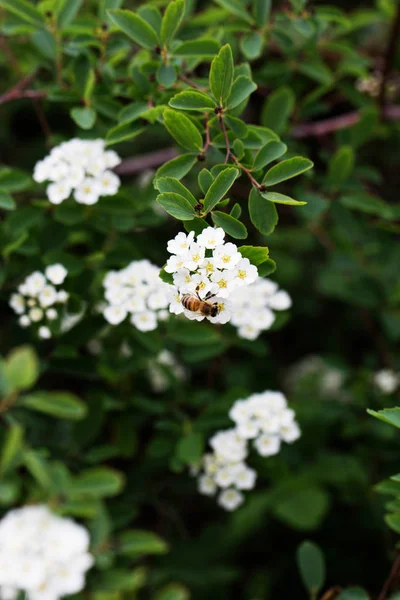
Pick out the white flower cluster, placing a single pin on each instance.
(38, 297)
(252, 307)
(136, 290)
(159, 368)
(209, 269)
(81, 166)
(387, 381)
(41, 554)
(263, 418)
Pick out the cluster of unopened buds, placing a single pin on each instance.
(137, 291)
(253, 306)
(206, 273)
(41, 554)
(39, 299)
(79, 166)
(264, 420)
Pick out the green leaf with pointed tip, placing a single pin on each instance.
(368, 203)
(62, 405)
(387, 415)
(84, 116)
(183, 130)
(176, 205)
(177, 167)
(263, 214)
(166, 75)
(236, 211)
(170, 184)
(229, 224)
(11, 447)
(237, 126)
(136, 28)
(202, 47)
(171, 21)
(221, 75)
(219, 187)
(266, 268)
(89, 86)
(278, 108)
(261, 11)
(99, 481)
(67, 12)
(268, 153)
(190, 448)
(311, 564)
(131, 112)
(235, 7)
(22, 368)
(251, 45)
(192, 100)
(257, 255)
(340, 166)
(205, 179)
(13, 180)
(287, 169)
(123, 132)
(166, 277)
(24, 10)
(137, 542)
(7, 202)
(281, 199)
(241, 89)
(353, 593)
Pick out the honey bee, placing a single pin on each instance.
(194, 303)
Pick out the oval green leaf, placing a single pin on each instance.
(287, 169)
(230, 225)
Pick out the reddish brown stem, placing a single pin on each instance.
(389, 581)
(151, 160)
(389, 58)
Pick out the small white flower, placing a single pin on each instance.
(56, 273)
(280, 301)
(115, 314)
(224, 314)
(59, 191)
(226, 282)
(44, 332)
(175, 263)
(194, 256)
(387, 381)
(267, 445)
(87, 192)
(245, 272)
(24, 321)
(17, 303)
(176, 306)
(230, 499)
(225, 476)
(290, 433)
(226, 256)
(180, 244)
(62, 296)
(207, 485)
(48, 296)
(51, 314)
(108, 183)
(111, 159)
(36, 314)
(211, 237)
(245, 478)
(145, 321)
(35, 283)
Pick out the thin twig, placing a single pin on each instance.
(227, 144)
(389, 58)
(392, 575)
(42, 120)
(129, 166)
(191, 83)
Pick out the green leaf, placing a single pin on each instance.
(304, 508)
(7, 202)
(263, 214)
(138, 542)
(173, 591)
(251, 45)
(268, 153)
(278, 108)
(121, 133)
(205, 179)
(340, 166)
(202, 47)
(221, 75)
(67, 12)
(11, 447)
(367, 203)
(170, 184)
(311, 564)
(235, 7)
(171, 21)
(393, 521)
(317, 71)
(136, 28)
(261, 11)
(267, 267)
(166, 277)
(232, 226)
(62, 405)
(190, 448)
(192, 100)
(45, 42)
(177, 167)
(22, 368)
(219, 187)
(24, 10)
(241, 89)
(182, 129)
(13, 180)
(152, 15)
(113, 581)
(287, 169)
(237, 126)
(256, 254)
(38, 468)
(99, 481)
(189, 333)
(132, 111)
(236, 210)
(387, 415)
(69, 213)
(177, 206)
(166, 75)
(281, 199)
(84, 116)
(353, 593)
(89, 85)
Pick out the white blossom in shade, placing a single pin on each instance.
(230, 499)
(252, 305)
(267, 445)
(206, 268)
(207, 485)
(164, 368)
(37, 297)
(387, 381)
(211, 237)
(44, 332)
(59, 191)
(81, 168)
(17, 303)
(42, 555)
(244, 477)
(56, 273)
(229, 445)
(138, 291)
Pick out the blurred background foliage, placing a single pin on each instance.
(112, 454)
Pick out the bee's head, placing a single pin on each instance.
(214, 310)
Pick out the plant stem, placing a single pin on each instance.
(394, 572)
(389, 58)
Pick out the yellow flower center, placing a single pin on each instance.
(196, 257)
(226, 258)
(209, 267)
(242, 274)
(87, 190)
(222, 283)
(201, 285)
